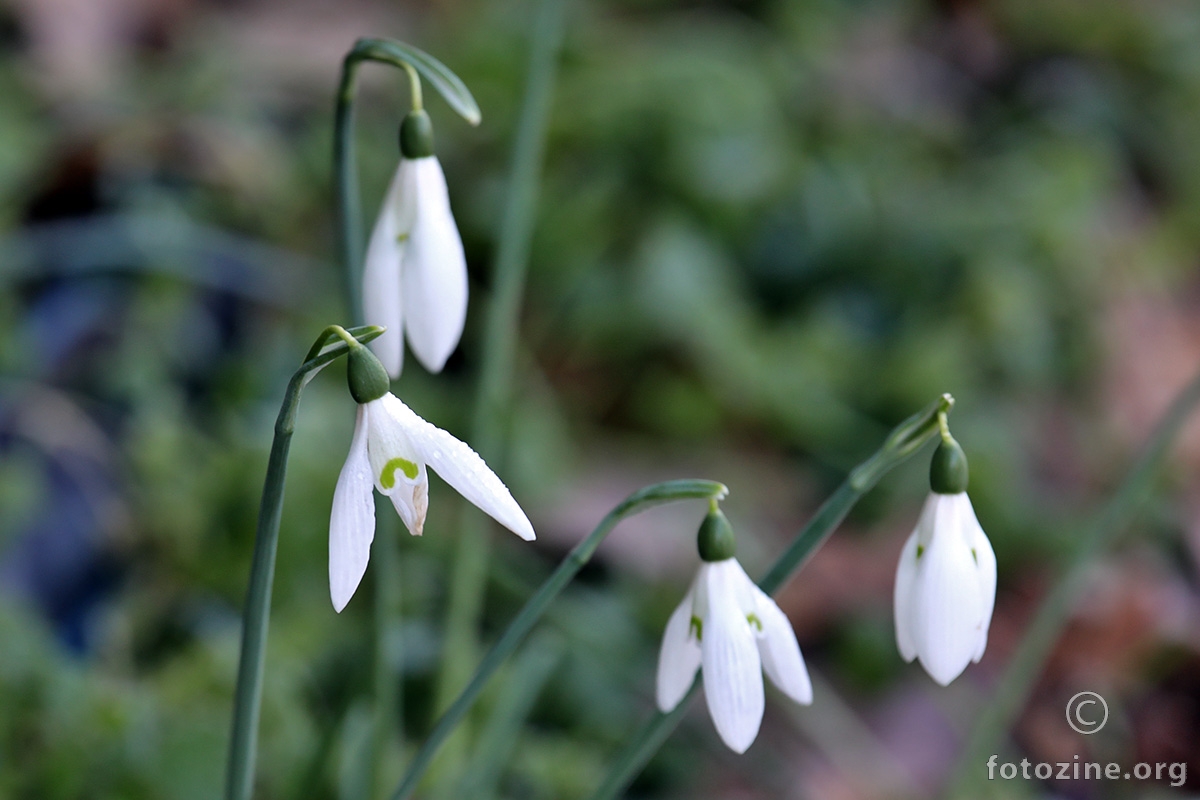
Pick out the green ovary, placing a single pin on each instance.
(387, 478)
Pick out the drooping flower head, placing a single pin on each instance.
(946, 579)
(415, 274)
(391, 450)
(732, 632)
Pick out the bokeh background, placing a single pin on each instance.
(767, 231)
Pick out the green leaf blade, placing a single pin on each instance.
(440, 77)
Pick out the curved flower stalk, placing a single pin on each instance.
(391, 449)
(946, 579)
(243, 740)
(732, 631)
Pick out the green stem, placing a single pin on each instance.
(247, 702)
(388, 669)
(903, 441)
(498, 739)
(538, 604)
(348, 202)
(243, 743)
(1012, 692)
(414, 87)
(944, 429)
(344, 335)
(500, 344)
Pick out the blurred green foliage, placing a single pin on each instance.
(767, 231)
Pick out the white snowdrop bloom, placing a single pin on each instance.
(946, 580)
(415, 274)
(390, 451)
(733, 632)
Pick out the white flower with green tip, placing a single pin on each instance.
(391, 449)
(732, 632)
(415, 272)
(946, 580)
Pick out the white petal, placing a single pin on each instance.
(929, 516)
(906, 574)
(729, 656)
(985, 560)
(434, 275)
(744, 590)
(780, 652)
(461, 467)
(947, 604)
(678, 658)
(352, 522)
(381, 271)
(396, 468)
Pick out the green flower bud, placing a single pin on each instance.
(948, 470)
(715, 539)
(416, 135)
(367, 378)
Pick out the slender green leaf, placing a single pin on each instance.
(448, 85)
(323, 353)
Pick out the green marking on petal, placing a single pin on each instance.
(696, 626)
(755, 621)
(920, 550)
(387, 479)
(975, 556)
(401, 238)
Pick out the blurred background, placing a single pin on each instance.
(768, 230)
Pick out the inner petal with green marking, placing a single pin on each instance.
(387, 478)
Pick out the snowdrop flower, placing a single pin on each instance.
(390, 450)
(946, 580)
(415, 275)
(732, 631)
